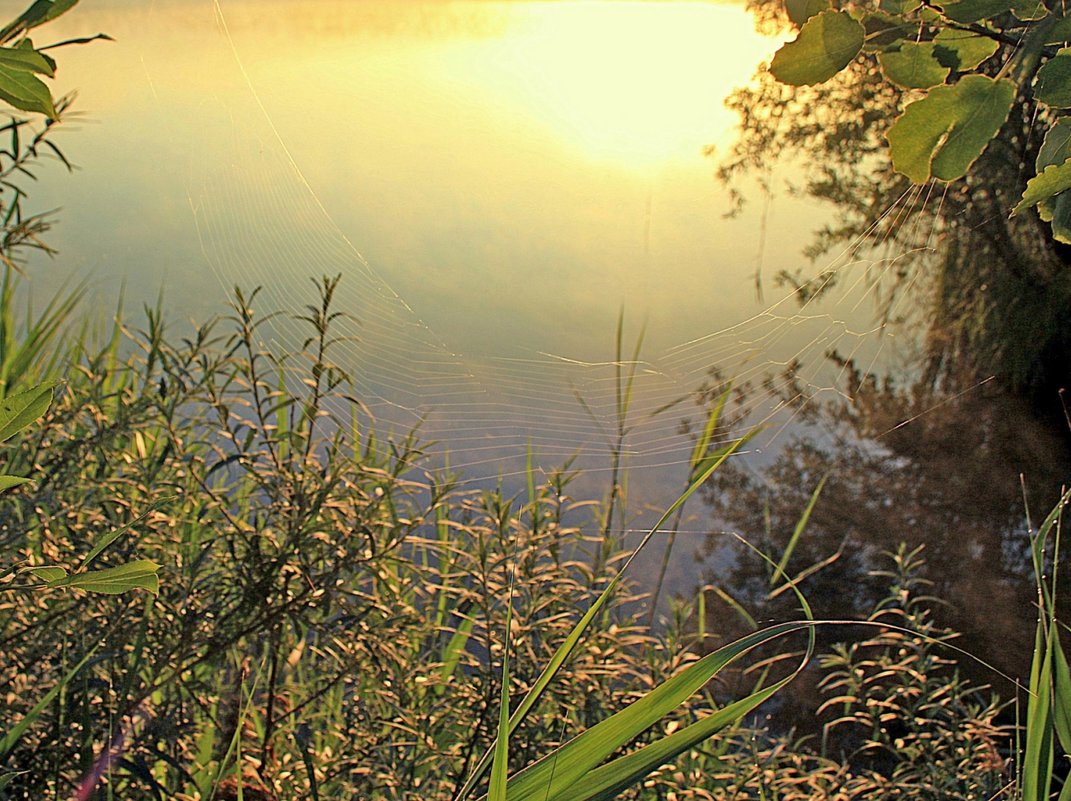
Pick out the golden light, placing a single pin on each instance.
(628, 81)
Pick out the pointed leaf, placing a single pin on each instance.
(28, 60)
(610, 780)
(23, 408)
(25, 92)
(112, 536)
(1049, 182)
(1053, 85)
(7, 482)
(138, 575)
(963, 50)
(825, 45)
(48, 573)
(1056, 149)
(913, 66)
(943, 134)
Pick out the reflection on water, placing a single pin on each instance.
(496, 181)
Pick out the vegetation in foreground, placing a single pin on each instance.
(333, 622)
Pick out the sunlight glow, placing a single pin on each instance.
(629, 81)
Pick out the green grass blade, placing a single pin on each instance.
(1036, 775)
(112, 536)
(562, 768)
(702, 443)
(801, 524)
(11, 737)
(454, 648)
(610, 780)
(571, 641)
(500, 764)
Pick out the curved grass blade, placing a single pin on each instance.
(570, 643)
(555, 773)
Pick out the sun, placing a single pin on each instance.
(629, 81)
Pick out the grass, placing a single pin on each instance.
(332, 624)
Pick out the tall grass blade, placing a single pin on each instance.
(571, 641)
(552, 776)
(801, 524)
(10, 738)
(500, 764)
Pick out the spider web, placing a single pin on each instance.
(481, 297)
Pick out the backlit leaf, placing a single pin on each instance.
(23, 408)
(7, 482)
(899, 6)
(941, 135)
(138, 575)
(27, 59)
(799, 11)
(1056, 149)
(1049, 182)
(1053, 85)
(825, 45)
(913, 66)
(48, 573)
(962, 50)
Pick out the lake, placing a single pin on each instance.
(496, 183)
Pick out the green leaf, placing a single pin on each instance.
(899, 7)
(28, 60)
(610, 780)
(500, 764)
(941, 135)
(23, 408)
(577, 632)
(1056, 149)
(975, 10)
(799, 11)
(48, 573)
(1061, 676)
(40, 12)
(885, 31)
(962, 50)
(7, 777)
(1060, 32)
(7, 482)
(1053, 85)
(138, 575)
(913, 66)
(1057, 212)
(1049, 182)
(1029, 10)
(825, 46)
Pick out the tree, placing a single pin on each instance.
(938, 132)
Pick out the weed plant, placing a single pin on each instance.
(330, 617)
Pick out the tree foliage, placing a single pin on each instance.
(942, 140)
